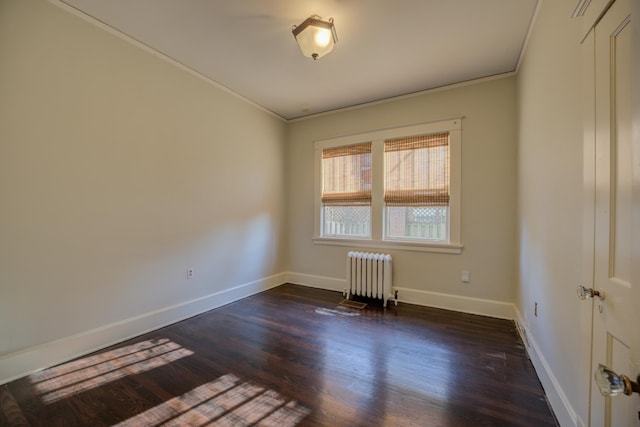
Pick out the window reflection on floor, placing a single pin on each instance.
(84, 374)
(227, 401)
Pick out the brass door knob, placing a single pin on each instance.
(584, 293)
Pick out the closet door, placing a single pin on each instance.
(615, 279)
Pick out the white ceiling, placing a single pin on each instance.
(385, 49)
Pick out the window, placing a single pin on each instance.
(393, 187)
(416, 187)
(346, 190)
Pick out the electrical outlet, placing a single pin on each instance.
(189, 273)
(465, 277)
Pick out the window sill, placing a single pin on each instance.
(442, 248)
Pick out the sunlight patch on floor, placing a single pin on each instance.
(84, 374)
(227, 401)
(331, 312)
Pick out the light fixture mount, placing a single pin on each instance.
(315, 36)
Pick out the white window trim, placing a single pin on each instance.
(377, 138)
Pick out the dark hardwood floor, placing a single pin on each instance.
(293, 356)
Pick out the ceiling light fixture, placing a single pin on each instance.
(315, 36)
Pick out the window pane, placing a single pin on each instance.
(346, 175)
(347, 221)
(417, 171)
(424, 222)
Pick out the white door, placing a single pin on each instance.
(614, 261)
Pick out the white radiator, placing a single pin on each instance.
(369, 275)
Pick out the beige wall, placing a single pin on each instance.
(118, 171)
(488, 191)
(550, 201)
(114, 180)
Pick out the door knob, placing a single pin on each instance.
(612, 384)
(584, 293)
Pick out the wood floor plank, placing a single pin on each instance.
(294, 356)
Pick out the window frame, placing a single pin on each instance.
(378, 237)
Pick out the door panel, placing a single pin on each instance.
(612, 317)
(619, 409)
(621, 151)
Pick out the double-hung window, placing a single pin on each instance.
(392, 187)
(346, 190)
(416, 190)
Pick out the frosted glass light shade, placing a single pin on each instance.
(315, 37)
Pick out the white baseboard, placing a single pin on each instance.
(485, 307)
(321, 282)
(562, 408)
(499, 309)
(20, 363)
